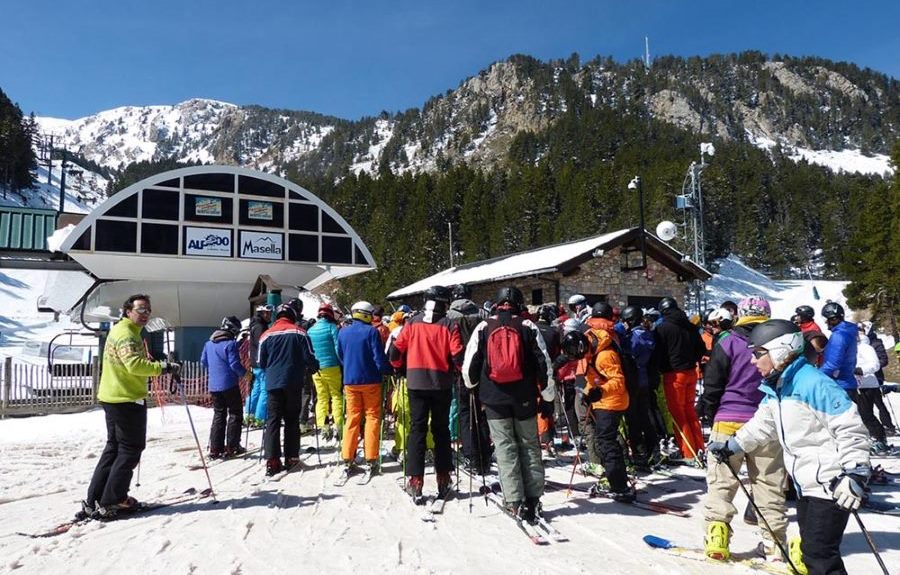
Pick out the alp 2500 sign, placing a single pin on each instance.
(207, 242)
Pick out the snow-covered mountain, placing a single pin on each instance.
(828, 113)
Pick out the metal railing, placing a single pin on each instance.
(33, 389)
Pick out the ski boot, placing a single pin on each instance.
(116, 510)
(626, 495)
(881, 449)
(444, 484)
(215, 454)
(414, 488)
(796, 555)
(718, 537)
(750, 515)
(235, 451)
(273, 467)
(531, 510)
(87, 511)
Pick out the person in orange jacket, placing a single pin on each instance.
(607, 396)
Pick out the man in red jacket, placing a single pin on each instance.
(430, 348)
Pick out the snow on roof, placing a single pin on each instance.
(516, 265)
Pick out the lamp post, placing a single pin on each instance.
(635, 183)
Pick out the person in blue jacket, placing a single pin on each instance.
(839, 356)
(323, 336)
(220, 357)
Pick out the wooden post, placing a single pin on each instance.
(7, 385)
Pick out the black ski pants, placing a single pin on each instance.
(126, 437)
(307, 398)
(283, 405)
(866, 408)
(226, 422)
(606, 439)
(877, 399)
(822, 525)
(433, 403)
(641, 434)
(473, 429)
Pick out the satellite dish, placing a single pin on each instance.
(666, 230)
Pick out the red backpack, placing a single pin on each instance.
(505, 353)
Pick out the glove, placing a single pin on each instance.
(594, 394)
(722, 450)
(548, 394)
(888, 387)
(858, 371)
(848, 490)
(561, 360)
(171, 367)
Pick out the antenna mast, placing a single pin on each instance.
(647, 52)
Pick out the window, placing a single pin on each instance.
(303, 248)
(360, 258)
(215, 209)
(256, 187)
(115, 236)
(173, 183)
(330, 225)
(213, 182)
(337, 250)
(84, 242)
(303, 217)
(159, 239)
(159, 205)
(537, 296)
(127, 208)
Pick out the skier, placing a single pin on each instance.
(578, 308)
(803, 317)
(362, 355)
(731, 396)
(883, 414)
(678, 349)
(378, 323)
(307, 388)
(823, 439)
(430, 350)
(122, 393)
(637, 347)
(284, 354)
(323, 337)
(867, 365)
(257, 399)
(839, 357)
(220, 357)
(546, 424)
(507, 361)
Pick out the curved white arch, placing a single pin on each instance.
(237, 269)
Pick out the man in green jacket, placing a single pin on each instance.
(122, 393)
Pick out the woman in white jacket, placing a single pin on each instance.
(826, 447)
(867, 365)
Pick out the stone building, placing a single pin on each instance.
(607, 267)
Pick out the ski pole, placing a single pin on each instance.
(316, 432)
(180, 386)
(137, 482)
(476, 415)
(381, 426)
(759, 514)
(684, 439)
(870, 542)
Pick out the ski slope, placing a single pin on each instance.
(303, 523)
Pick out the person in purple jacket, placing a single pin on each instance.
(220, 357)
(731, 395)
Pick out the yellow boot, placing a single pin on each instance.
(718, 536)
(796, 556)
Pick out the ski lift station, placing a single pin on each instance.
(209, 241)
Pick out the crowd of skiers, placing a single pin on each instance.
(511, 384)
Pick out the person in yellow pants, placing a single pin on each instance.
(324, 335)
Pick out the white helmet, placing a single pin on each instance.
(363, 311)
(573, 324)
(720, 317)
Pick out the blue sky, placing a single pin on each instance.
(352, 59)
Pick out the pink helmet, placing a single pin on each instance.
(755, 306)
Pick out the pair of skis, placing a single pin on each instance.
(697, 554)
(595, 491)
(190, 494)
(540, 532)
(361, 478)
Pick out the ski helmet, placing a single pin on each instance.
(285, 310)
(754, 306)
(438, 294)
(511, 295)
(379, 311)
(362, 311)
(574, 344)
(602, 309)
(805, 312)
(833, 310)
(297, 305)
(325, 310)
(546, 313)
(231, 323)
(572, 324)
(577, 300)
(781, 338)
(632, 315)
(404, 308)
(461, 291)
(704, 316)
(667, 303)
(721, 318)
(651, 314)
(731, 307)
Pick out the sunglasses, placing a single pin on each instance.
(143, 310)
(759, 353)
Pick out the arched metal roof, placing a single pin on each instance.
(217, 224)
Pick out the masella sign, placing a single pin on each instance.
(261, 245)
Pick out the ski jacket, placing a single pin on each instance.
(466, 315)
(257, 326)
(639, 344)
(817, 425)
(602, 324)
(397, 319)
(603, 368)
(286, 355)
(383, 330)
(323, 337)
(537, 367)
(809, 326)
(361, 353)
(431, 352)
(839, 357)
(867, 362)
(220, 357)
(126, 368)
(731, 383)
(876, 342)
(551, 339)
(678, 343)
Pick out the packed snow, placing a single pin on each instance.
(850, 160)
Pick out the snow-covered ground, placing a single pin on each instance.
(304, 522)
